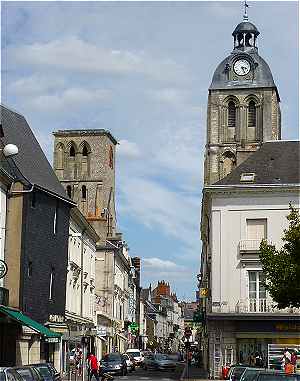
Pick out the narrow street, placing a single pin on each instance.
(141, 374)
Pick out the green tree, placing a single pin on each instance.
(282, 266)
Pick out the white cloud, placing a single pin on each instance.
(36, 84)
(127, 149)
(160, 208)
(160, 264)
(68, 99)
(72, 53)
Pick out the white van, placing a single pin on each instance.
(136, 355)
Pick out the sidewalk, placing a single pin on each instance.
(193, 373)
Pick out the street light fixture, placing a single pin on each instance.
(10, 150)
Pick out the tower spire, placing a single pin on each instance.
(245, 17)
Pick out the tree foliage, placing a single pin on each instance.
(282, 266)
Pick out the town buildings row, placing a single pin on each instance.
(251, 177)
(67, 277)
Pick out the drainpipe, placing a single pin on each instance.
(81, 260)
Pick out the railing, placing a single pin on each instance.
(251, 306)
(249, 245)
(258, 305)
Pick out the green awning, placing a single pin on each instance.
(23, 319)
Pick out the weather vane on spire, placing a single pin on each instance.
(245, 17)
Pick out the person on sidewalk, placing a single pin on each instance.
(289, 367)
(93, 367)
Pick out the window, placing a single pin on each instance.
(247, 177)
(51, 284)
(257, 292)
(29, 269)
(69, 191)
(251, 114)
(257, 229)
(83, 192)
(85, 151)
(231, 115)
(33, 199)
(72, 151)
(55, 218)
(111, 158)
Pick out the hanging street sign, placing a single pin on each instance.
(3, 269)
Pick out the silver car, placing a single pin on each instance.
(159, 361)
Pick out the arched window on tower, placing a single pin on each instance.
(85, 151)
(72, 151)
(231, 121)
(228, 163)
(251, 125)
(59, 156)
(111, 158)
(69, 191)
(83, 192)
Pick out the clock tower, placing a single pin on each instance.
(243, 106)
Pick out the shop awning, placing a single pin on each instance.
(26, 320)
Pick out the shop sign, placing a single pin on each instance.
(3, 269)
(56, 318)
(101, 331)
(52, 340)
(288, 327)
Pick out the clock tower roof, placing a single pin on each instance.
(245, 27)
(262, 74)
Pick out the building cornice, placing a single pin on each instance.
(247, 188)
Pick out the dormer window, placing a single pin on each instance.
(248, 177)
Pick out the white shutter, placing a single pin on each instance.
(257, 229)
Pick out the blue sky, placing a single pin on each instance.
(142, 70)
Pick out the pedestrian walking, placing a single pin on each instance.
(93, 366)
(289, 367)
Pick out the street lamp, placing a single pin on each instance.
(10, 150)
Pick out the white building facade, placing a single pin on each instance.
(236, 215)
(80, 294)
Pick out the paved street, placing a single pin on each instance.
(141, 374)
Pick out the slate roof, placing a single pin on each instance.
(276, 162)
(31, 163)
(244, 27)
(263, 74)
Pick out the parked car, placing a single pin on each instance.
(276, 376)
(137, 356)
(28, 373)
(129, 362)
(159, 361)
(250, 374)
(236, 372)
(9, 374)
(47, 371)
(113, 363)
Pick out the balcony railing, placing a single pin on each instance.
(249, 245)
(250, 306)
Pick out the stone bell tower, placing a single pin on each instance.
(243, 106)
(84, 162)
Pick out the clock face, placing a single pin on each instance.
(241, 67)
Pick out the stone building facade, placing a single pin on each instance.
(243, 108)
(84, 162)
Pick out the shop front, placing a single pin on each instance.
(244, 337)
(24, 341)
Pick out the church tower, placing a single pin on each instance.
(243, 105)
(84, 162)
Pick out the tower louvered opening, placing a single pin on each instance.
(251, 114)
(231, 115)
